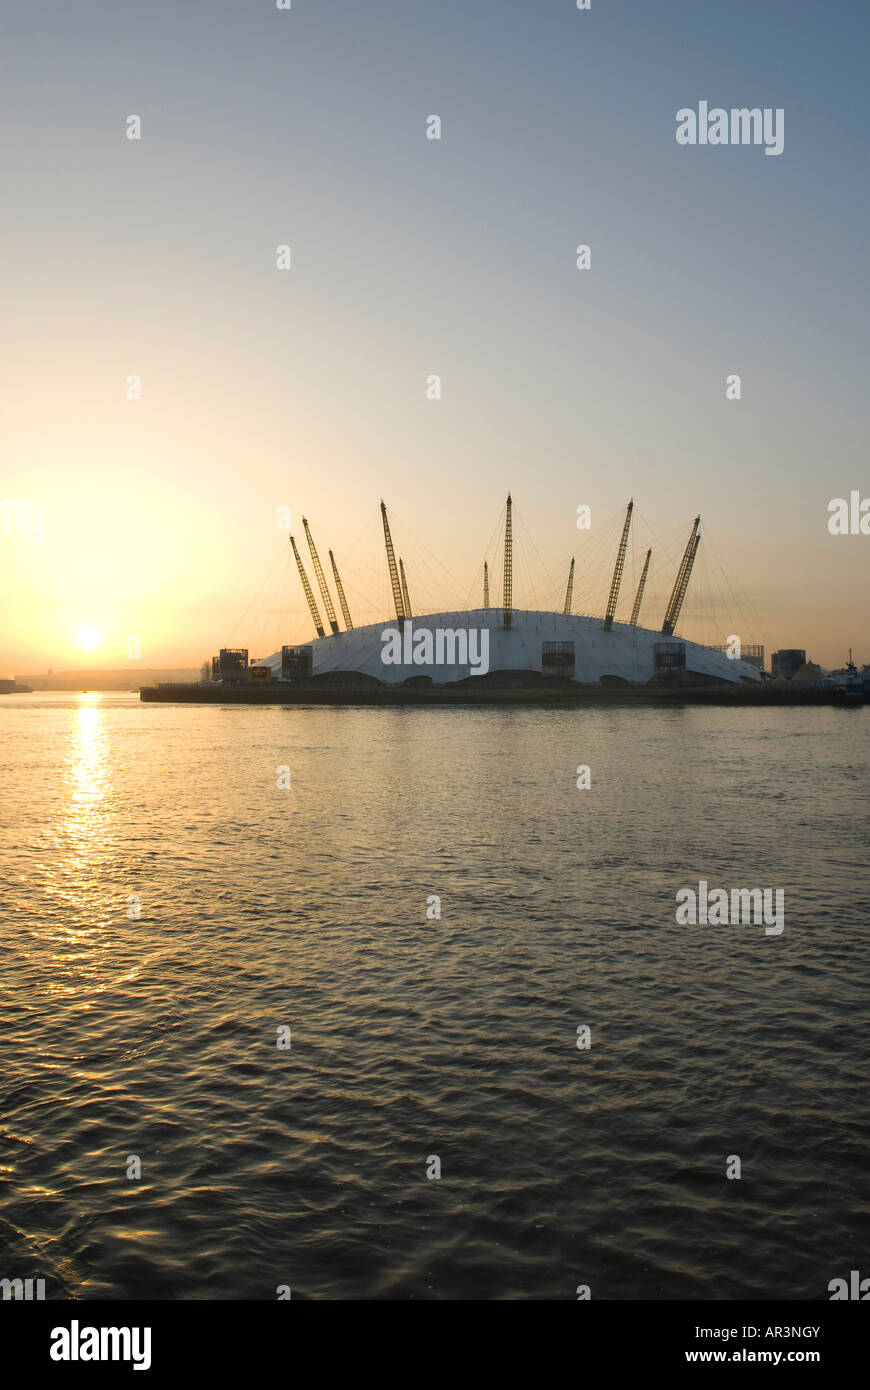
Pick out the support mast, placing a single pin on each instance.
(569, 592)
(508, 564)
(406, 602)
(617, 571)
(681, 583)
(635, 612)
(321, 582)
(339, 589)
(312, 606)
(485, 584)
(391, 562)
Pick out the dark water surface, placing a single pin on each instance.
(414, 1037)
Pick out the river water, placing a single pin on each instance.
(416, 1040)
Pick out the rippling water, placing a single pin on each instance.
(411, 1036)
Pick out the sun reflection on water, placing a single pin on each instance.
(89, 783)
(80, 880)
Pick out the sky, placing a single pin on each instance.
(265, 388)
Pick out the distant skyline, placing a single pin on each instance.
(154, 260)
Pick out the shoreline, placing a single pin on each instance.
(561, 694)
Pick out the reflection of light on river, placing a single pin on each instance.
(88, 786)
(79, 886)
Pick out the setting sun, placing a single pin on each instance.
(89, 638)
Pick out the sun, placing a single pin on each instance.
(90, 638)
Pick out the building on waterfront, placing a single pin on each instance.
(787, 662)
